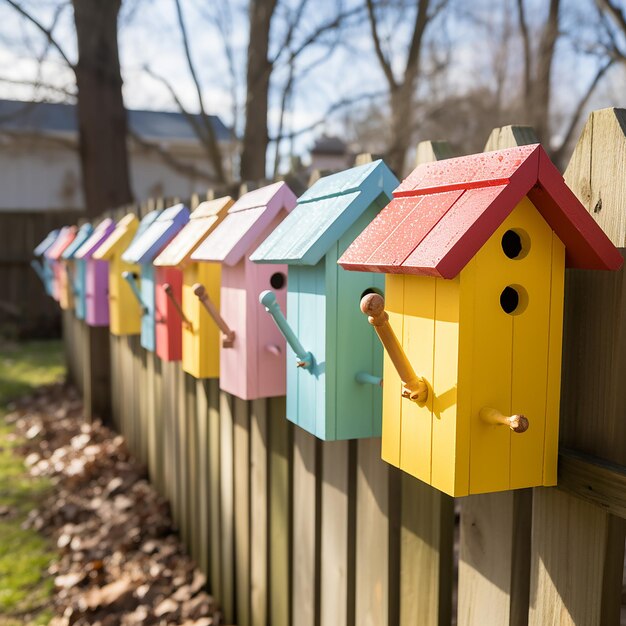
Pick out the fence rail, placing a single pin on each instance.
(293, 530)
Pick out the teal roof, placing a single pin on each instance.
(84, 232)
(324, 213)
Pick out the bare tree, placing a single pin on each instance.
(402, 89)
(538, 68)
(259, 69)
(102, 124)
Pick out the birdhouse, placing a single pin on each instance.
(251, 350)
(142, 251)
(124, 308)
(53, 258)
(190, 331)
(334, 364)
(40, 263)
(475, 250)
(96, 274)
(72, 282)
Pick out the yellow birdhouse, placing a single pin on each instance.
(200, 336)
(475, 250)
(124, 310)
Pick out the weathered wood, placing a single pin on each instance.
(97, 373)
(493, 584)
(578, 549)
(226, 419)
(151, 432)
(259, 513)
(202, 479)
(593, 422)
(215, 517)
(241, 445)
(337, 532)
(159, 411)
(433, 151)
(509, 136)
(281, 507)
(594, 480)
(373, 528)
(306, 528)
(426, 536)
(576, 562)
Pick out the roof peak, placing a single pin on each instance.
(445, 211)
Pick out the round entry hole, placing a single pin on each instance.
(278, 280)
(513, 299)
(515, 244)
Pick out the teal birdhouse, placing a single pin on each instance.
(333, 365)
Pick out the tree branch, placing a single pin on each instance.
(413, 58)
(45, 31)
(582, 103)
(336, 106)
(523, 27)
(618, 15)
(380, 55)
(213, 148)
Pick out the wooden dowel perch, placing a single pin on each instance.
(170, 294)
(517, 423)
(415, 387)
(229, 335)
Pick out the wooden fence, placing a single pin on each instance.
(293, 530)
(25, 309)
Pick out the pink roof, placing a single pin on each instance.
(247, 219)
(65, 238)
(445, 211)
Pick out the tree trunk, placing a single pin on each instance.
(543, 74)
(401, 102)
(255, 136)
(102, 122)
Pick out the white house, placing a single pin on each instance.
(40, 169)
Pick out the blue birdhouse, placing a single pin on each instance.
(76, 272)
(40, 264)
(333, 365)
(144, 248)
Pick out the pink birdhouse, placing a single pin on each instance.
(252, 351)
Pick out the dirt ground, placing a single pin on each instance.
(118, 560)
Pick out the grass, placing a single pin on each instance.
(25, 588)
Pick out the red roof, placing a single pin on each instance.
(444, 212)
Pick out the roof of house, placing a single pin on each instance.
(324, 213)
(329, 144)
(164, 225)
(56, 117)
(96, 239)
(202, 221)
(246, 221)
(444, 212)
(63, 240)
(84, 232)
(46, 242)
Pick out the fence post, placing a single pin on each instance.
(97, 373)
(578, 549)
(494, 559)
(426, 519)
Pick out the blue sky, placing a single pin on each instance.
(149, 36)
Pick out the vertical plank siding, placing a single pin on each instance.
(294, 531)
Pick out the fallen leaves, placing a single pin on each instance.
(119, 560)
